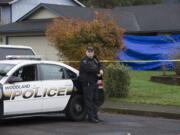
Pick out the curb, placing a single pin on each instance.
(140, 112)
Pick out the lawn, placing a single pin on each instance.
(143, 91)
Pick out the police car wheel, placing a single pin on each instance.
(76, 109)
(1, 121)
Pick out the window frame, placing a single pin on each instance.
(40, 72)
(36, 73)
(66, 74)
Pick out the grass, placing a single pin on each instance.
(143, 91)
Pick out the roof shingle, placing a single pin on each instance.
(5, 2)
(29, 26)
(137, 19)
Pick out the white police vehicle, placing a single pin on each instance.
(29, 87)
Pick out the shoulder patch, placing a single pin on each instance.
(85, 61)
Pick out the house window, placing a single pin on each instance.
(0, 15)
(1, 40)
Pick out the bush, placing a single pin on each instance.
(72, 36)
(117, 80)
(177, 64)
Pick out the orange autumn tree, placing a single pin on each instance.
(72, 36)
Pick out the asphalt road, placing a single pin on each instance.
(113, 124)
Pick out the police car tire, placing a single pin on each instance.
(76, 109)
(1, 121)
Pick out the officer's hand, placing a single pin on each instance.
(101, 72)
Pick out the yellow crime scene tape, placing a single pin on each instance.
(127, 61)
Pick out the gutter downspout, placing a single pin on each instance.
(10, 13)
(6, 40)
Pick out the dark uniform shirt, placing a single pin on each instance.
(89, 68)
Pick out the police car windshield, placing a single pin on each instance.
(4, 69)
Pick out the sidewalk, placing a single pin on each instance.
(171, 112)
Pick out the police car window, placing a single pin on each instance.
(4, 69)
(51, 72)
(26, 73)
(70, 74)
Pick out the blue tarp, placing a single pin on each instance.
(150, 48)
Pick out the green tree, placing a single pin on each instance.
(114, 3)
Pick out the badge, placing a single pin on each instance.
(85, 61)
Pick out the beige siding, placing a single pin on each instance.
(39, 44)
(43, 14)
(22, 7)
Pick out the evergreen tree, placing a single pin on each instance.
(114, 3)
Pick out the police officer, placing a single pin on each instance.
(90, 69)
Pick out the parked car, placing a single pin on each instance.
(14, 50)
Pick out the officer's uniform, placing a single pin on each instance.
(89, 69)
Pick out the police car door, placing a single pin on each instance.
(25, 94)
(56, 87)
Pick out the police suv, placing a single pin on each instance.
(30, 86)
(15, 50)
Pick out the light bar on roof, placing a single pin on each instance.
(22, 57)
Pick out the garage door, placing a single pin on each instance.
(39, 45)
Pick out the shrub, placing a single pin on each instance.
(72, 36)
(117, 80)
(177, 64)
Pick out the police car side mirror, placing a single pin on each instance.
(14, 79)
(75, 77)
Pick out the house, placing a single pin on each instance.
(12, 10)
(155, 19)
(137, 20)
(30, 29)
(171, 1)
